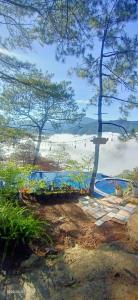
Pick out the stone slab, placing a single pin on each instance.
(106, 218)
(99, 222)
(85, 207)
(95, 208)
(102, 220)
(114, 199)
(111, 215)
(123, 212)
(119, 221)
(85, 203)
(84, 200)
(120, 218)
(96, 215)
(131, 211)
(130, 208)
(115, 210)
(107, 209)
(131, 205)
(87, 198)
(106, 203)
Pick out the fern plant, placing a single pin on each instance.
(17, 224)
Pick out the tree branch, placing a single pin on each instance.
(114, 124)
(119, 99)
(108, 54)
(120, 79)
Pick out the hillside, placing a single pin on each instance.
(89, 126)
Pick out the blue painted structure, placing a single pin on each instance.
(104, 186)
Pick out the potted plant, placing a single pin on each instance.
(118, 190)
(135, 182)
(135, 188)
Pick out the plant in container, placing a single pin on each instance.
(135, 188)
(118, 190)
(135, 182)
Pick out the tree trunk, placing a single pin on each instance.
(99, 131)
(97, 151)
(37, 149)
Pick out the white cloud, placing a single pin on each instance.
(115, 156)
(82, 101)
(12, 53)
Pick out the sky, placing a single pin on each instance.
(44, 58)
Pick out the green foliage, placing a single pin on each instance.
(35, 186)
(127, 174)
(24, 152)
(15, 178)
(11, 135)
(78, 175)
(37, 101)
(18, 223)
(132, 176)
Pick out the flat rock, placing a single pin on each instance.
(111, 215)
(104, 219)
(120, 218)
(85, 208)
(97, 215)
(85, 202)
(123, 212)
(99, 222)
(105, 202)
(130, 207)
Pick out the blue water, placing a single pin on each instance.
(108, 186)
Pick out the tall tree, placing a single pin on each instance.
(79, 27)
(98, 30)
(38, 103)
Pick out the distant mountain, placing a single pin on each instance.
(89, 126)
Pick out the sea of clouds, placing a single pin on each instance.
(115, 156)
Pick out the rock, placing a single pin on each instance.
(30, 261)
(51, 251)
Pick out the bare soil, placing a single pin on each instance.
(93, 263)
(71, 225)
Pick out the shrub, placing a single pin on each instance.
(131, 175)
(17, 224)
(35, 186)
(14, 177)
(78, 176)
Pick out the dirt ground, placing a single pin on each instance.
(71, 225)
(93, 263)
